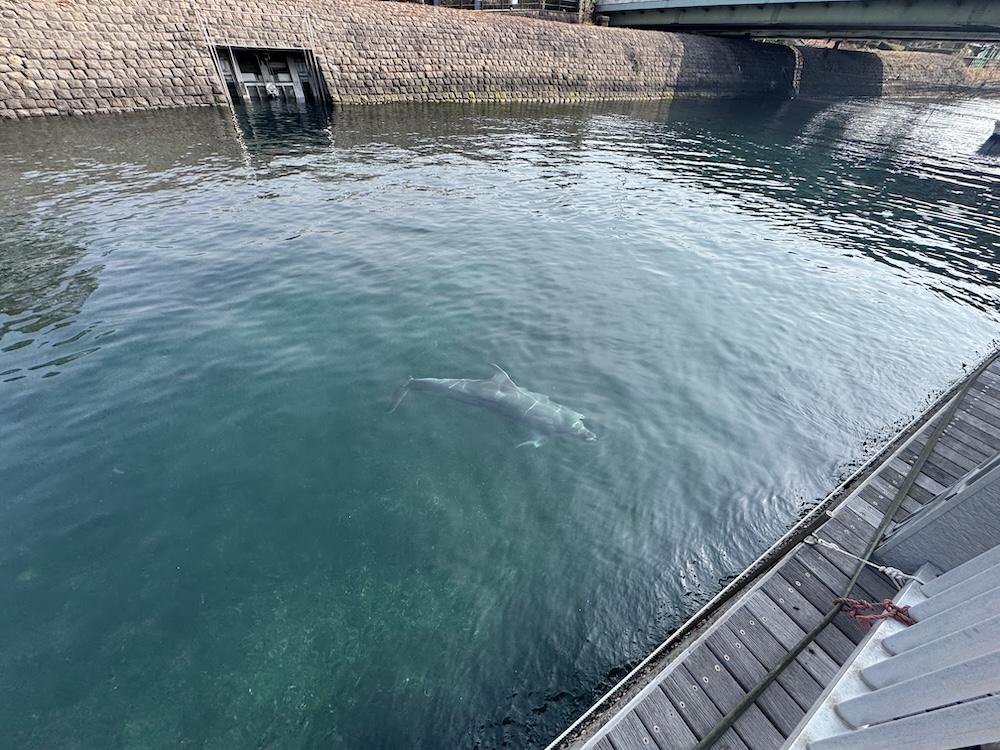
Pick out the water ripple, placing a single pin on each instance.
(212, 530)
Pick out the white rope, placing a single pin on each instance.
(895, 574)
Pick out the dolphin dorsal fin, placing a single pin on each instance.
(501, 378)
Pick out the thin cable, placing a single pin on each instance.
(897, 576)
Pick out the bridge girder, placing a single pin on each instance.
(942, 20)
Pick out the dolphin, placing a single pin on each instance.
(500, 394)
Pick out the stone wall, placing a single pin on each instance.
(837, 73)
(94, 56)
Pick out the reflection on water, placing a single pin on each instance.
(274, 129)
(212, 533)
(42, 289)
(46, 273)
(878, 177)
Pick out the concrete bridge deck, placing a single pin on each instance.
(677, 698)
(976, 21)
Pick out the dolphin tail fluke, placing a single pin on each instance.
(400, 395)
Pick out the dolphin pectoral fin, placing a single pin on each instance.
(400, 395)
(535, 442)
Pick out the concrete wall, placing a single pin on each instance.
(84, 56)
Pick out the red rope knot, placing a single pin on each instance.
(890, 611)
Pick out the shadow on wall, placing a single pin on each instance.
(712, 66)
(837, 73)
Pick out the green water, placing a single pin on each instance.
(213, 534)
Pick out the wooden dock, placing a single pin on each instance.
(713, 668)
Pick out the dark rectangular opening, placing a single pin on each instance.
(255, 74)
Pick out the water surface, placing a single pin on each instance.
(213, 535)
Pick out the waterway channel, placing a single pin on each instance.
(214, 535)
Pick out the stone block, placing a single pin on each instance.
(391, 52)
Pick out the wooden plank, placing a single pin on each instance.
(694, 706)
(855, 523)
(878, 500)
(924, 433)
(961, 453)
(889, 490)
(838, 529)
(992, 372)
(725, 692)
(630, 734)
(894, 478)
(964, 443)
(948, 459)
(985, 405)
(902, 464)
(877, 584)
(870, 515)
(941, 470)
(775, 702)
(984, 392)
(822, 597)
(663, 723)
(788, 633)
(978, 398)
(603, 744)
(967, 441)
(984, 415)
(925, 487)
(938, 467)
(870, 584)
(989, 375)
(873, 585)
(986, 389)
(986, 431)
(810, 557)
(818, 590)
(973, 427)
(883, 486)
(984, 398)
(793, 604)
(843, 563)
(746, 633)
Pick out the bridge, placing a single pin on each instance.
(940, 20)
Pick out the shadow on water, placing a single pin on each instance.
(41, 287)
(275, 130)
(39, 151)
(990, 147)
(46, 271)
